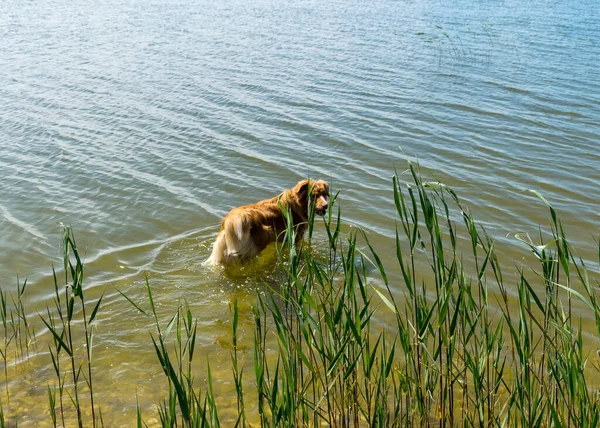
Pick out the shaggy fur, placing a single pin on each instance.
(247, 230)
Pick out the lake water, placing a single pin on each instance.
(141, 123)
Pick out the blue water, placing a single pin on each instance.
(142, 122)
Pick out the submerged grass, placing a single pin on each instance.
(466, 347)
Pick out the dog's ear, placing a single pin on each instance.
(301, 189)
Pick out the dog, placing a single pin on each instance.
(247, 230)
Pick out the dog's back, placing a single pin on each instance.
(247, 230)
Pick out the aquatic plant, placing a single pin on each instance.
(60, 323)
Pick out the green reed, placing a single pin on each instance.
(237, 371)
(18, 332)
(16, 327)
(463, 351)
(467, 346)
(61, 324)
(5, 314)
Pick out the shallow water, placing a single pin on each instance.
(141, 123)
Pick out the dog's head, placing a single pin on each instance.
(315, 191)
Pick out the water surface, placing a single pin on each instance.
(141, 123)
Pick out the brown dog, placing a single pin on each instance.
(247, 230)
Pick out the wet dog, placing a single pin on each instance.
(247, 230)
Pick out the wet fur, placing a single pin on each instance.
(247, 230)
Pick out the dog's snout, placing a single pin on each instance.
(325, 206)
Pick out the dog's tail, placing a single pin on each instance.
(219, 251)
(237, 236)
(233, 243)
